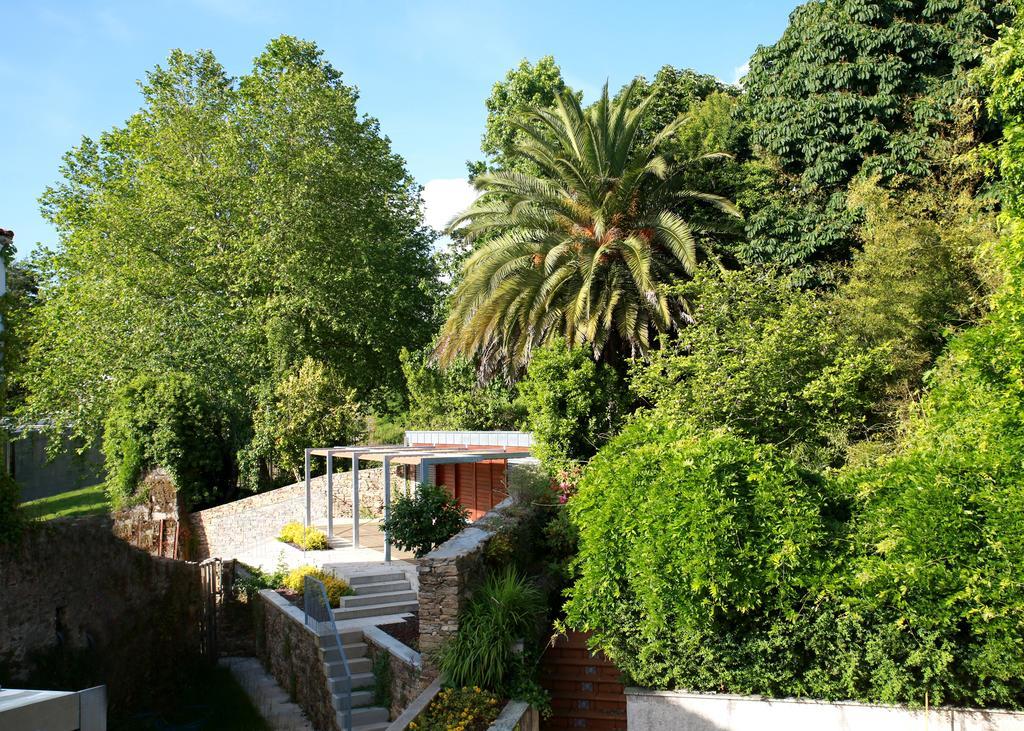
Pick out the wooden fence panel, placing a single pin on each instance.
(586, 690)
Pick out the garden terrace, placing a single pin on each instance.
(452, 465)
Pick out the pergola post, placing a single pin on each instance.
(425, 465)
(330, 494)
(308, 498)
(355, 500)
(387, 506)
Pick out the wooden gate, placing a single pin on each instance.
(586, 689)
(212, 587)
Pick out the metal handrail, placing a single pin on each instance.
(320, 617)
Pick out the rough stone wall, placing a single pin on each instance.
(450, 573)
(407, 679)
(224, 530)
(79, 607)
(291, 653)
(155, 525)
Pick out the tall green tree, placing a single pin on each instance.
(674, 92)
(229, 229)
(579, 250)
(854, 86)
(525, 87)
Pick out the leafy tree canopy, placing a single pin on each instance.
(573, 404)
(854, 85)
(231, 228)
(526, 87)
(453, 398)
(674, 92)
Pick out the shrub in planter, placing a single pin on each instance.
(465, 709)
(336, 588)
(308, 539)
(426, 519)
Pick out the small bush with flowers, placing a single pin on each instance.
(459, 709)
(295, 582)
(306, 539)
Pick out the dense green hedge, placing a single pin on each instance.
(696, 552)
(712, 563)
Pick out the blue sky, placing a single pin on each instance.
(423, 67)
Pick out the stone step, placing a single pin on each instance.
(360, 681)
(383, 587)
(348, 637)
(376, 610)
(330, 654)
(378, 578)
(383, 726)
(360, 699)
(356, 666)
(365, 716)
(366, 600)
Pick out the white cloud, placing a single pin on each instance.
(739, 72)
(444, 198)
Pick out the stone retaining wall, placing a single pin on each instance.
(224, 531)
(406, 667)
(450, 573)
(78, 607)
(291, 652)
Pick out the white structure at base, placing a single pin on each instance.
(655, 710)
(53, 710)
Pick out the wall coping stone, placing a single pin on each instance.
(510, 716)
(289, 610)
(397, 649)
(469, 538)
(961, 717)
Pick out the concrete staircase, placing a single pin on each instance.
(377, 595)
(365, 715)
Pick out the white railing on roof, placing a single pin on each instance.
(475, 438)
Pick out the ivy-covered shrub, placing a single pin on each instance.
(423, 520)
(699, 557)
(174, 422)
(573, 404)
(300, 536)
(939, 531)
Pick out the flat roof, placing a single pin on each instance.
(400, 454)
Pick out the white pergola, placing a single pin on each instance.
(422, 457)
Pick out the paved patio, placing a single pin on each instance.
(341, 558)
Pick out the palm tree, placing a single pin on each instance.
(582, 249)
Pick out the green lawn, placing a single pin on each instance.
(87, 501)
